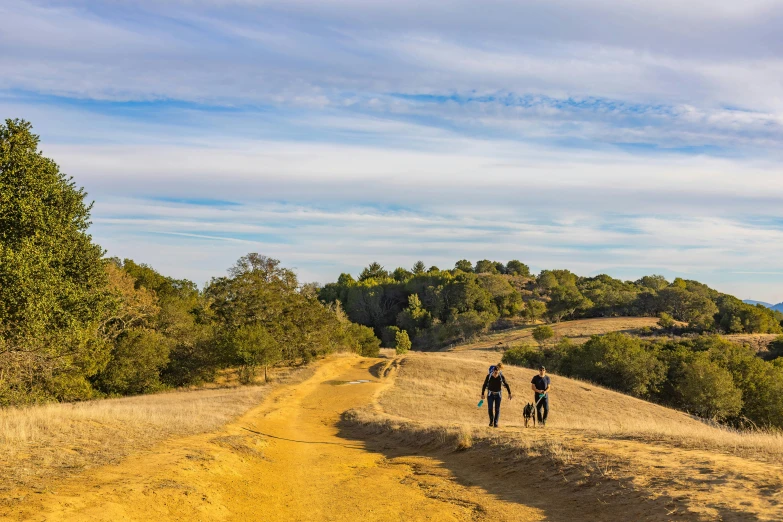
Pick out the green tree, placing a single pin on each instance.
(534, 309)
(485, 266)
(401, 275)
(389, 336)
(137, 358)
(418, 268)
(707, 390)
(403, 342)
(517, 268)
(373, 271)
(253, 346)
(52, 279)
(565, 301)
(665, 320)
(543, 333)
(653, 282)
(366, 343)
(618, 361)
(414, 317)
(776, 347)
(464, 265)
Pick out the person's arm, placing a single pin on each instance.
(533, 385)
(506, 385)
(483, 388)
(548, 385)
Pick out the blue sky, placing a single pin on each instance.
(602, 137)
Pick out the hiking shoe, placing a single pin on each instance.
(490, 424)
(494, 425)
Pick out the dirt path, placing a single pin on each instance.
(283, 460)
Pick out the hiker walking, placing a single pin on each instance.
(540, 385)
(492, 384)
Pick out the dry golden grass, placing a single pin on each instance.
(54, 440)
(759, 342)
(578, 331)
(594, 437)
(451, 387)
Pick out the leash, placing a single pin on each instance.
(539, 399)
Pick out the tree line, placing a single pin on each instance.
(75, 325)
(437, 307)
(707, 376)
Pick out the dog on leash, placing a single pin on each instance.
(529, 413)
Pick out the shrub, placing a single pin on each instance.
(403, 342)
(776, 347)
(137, 358)
(542, 333)
(618, 361)
(665, 320)
(389, 336)
(523, 355)
(366, 344)
(707, 390)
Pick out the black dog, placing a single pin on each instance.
(529, 413)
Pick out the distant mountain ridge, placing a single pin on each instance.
(778, 307)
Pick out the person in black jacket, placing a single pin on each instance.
(493, 383)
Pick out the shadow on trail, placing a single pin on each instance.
(508, 473)
(352, 446)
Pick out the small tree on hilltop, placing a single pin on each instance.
(464, 265)
(518, 268)
(403, 342)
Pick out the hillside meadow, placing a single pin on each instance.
(595, 438)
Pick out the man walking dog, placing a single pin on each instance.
(494, 381)
(540, 385)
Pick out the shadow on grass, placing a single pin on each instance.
(531, 478)
(352, 446)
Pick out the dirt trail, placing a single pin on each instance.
(283, 460)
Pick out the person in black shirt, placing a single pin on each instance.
(540, 385)
(493, 382)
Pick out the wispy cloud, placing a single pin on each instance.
(600, 136)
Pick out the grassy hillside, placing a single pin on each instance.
(578, 331)
(40, 443)
(594, 437)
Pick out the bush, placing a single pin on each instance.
(366, 344)
(542, 333)
(137, 358)
(469, 324)
(707, 390)
(389, 336)
(776, 347)
(524, 355)
(533, 357)
(617, 361)
(665, 320)
(403, 342)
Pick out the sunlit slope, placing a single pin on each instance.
(631, 453)
(578, 331)
(452, 387)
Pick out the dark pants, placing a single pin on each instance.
(493, 400)
(543, 404)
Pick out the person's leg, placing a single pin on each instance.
(490, 405)
(497, 409)
(538, 404)
(545, 404)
